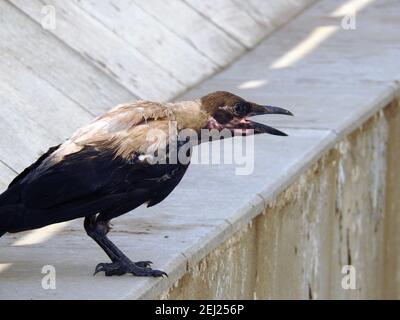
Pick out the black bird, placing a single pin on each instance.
(107, 168)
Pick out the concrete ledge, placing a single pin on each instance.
(209, 234)
(334, 214)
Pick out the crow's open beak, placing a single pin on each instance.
(259, 127)
(244, 126)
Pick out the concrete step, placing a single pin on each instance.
(333, 79)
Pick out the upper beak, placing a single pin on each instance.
(258, 110)
(262, 128)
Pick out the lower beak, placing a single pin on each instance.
(262, 128)
(248, 127)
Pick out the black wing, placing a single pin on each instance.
(172, 178)
(85, 183)
(90, 175)
(33, 166)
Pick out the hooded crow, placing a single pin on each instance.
(118, 162)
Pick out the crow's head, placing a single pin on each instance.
(228, 111)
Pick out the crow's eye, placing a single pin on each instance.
(222, 117)
(241, 108)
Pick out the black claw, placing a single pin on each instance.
(99, 268)
(163, 274)
(110, 269)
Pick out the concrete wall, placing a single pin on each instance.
(98, 54)
(156, 49)
(343, 210)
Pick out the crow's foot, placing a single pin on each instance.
(140, 268)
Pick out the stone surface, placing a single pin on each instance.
(24, 41)
(333, 215)
(146, 51)
(209, 234)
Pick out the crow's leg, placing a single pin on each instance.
(121, 264)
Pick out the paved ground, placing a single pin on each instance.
(331, 78)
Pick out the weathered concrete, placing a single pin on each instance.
(142, 52)
(323, 190)
(391, 241)
(333, 215)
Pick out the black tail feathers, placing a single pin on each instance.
(10, 196)
(11, 218)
